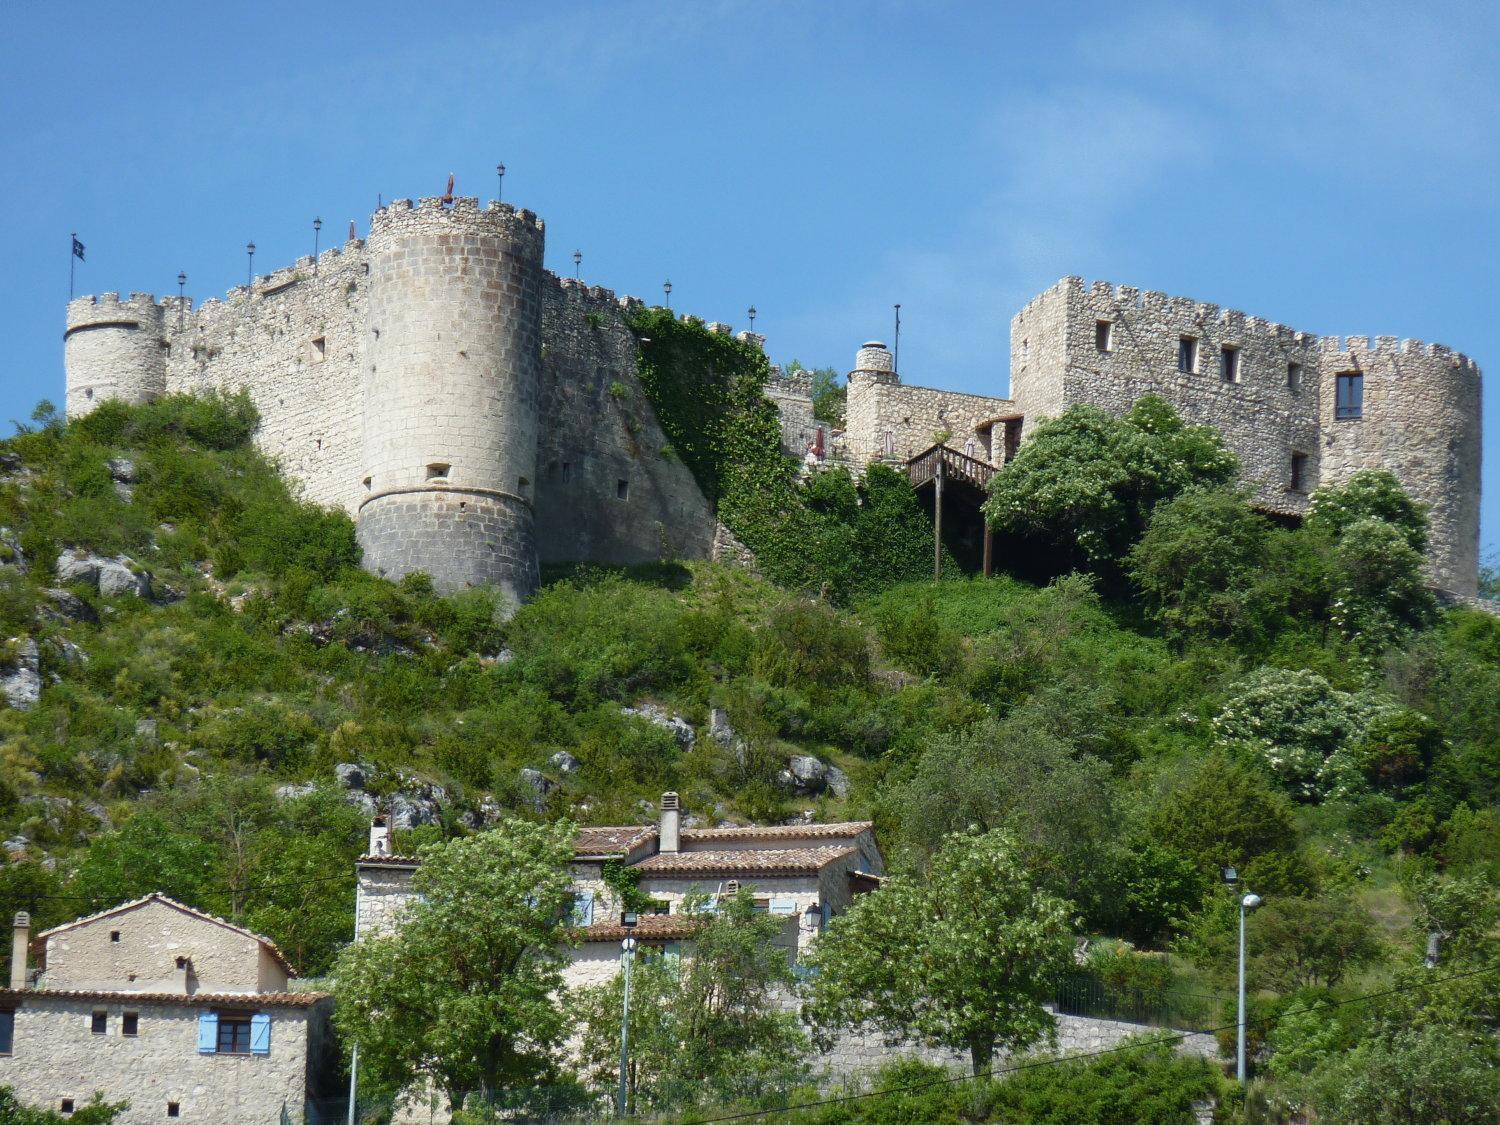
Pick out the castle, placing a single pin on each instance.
(479, 416)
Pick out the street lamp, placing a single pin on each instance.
(250, 269)
(499, 181)
(577, 263)
(751, 311)
(181, 289)
(667, 289)
(317, 230)
(628, 920)
(1248, 902)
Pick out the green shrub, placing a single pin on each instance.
(808, 645)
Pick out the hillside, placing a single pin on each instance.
(208, 698)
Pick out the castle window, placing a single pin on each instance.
(114, 936)
(67, 1105)
(1299, 472)
(567, 471)
(173, 1110)
(1187, 355)
(1294, 378)
(100, 1023)
(1103, 333)
(1349, 400)
(130, 1023)
(523, 486)
(367, 482)
(888, 445)
(319, 349)
(88, 392)
(1229, 365)
(438, 471)
(7, 1030)
(622, 489)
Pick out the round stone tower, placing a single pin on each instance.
(452, 392)
(113, 349)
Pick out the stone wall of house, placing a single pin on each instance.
(380, 895)
(1108, 345)
(142, 945)
(56, 1056)
(792, 396)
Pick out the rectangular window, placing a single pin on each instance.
(67, 1105)
(1229, 365)
(319, 350)
(657, 906)
(1294, 378)
(1103, 335)
(130, 1023)
(1299, 472)
(622, 489)
(437, 471)
(7, 1030)
(234, 1034)
(173, 1110)
(100, 1023)
(761, 906)
(1187, 355)
(1349, 400)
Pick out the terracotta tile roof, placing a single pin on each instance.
(389, 861)
(157, 896)
(651, 927)
(611, 841)
(226, 999)
(743, 862)
(846, 830)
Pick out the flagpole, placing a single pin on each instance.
(71, 255)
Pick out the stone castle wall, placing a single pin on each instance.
(1421, 403)
(113, 349)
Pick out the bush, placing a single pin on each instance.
(1369, 494)
(808, 645)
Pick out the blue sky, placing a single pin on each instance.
(1330, 166)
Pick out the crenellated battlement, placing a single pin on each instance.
(502, 220)
(109, 308)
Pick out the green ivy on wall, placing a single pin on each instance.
(833, 536)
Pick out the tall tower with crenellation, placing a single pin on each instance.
(113, 349)
(452, 389)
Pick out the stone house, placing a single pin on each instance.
(184, 1015)
(806, 873)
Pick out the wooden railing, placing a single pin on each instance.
(956, 466)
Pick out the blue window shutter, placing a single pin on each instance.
(208, 1033)
(583, 908)
(827, 912)
(260, 1034)
(783, 906)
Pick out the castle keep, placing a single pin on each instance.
(479, 416)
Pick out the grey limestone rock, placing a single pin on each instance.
(21, 682)
(122, 470)
(10, 463)
(351, 775)
(292, 792)
(804, 774)
(675, 724)
(539, 784)
(99, 813)
(68, 606)
(17, 845)
(718, 726)
(116, 580)
(408, 811)
(76, 565)
(10, 550)
(565, 763)
(837, 781)
(146, 731)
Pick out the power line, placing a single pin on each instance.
(1172, 1036)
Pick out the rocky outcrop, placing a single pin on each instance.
(538, 785)
(565, 763)
(678, 727)
(113, 577)
(11, 554)
(807, 776)
(61, 605)
(21, 676)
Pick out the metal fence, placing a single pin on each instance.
(1082, 994)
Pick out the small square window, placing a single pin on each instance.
(1294, 378)
(173, 1110)
(7, 1030)
(622, 489)
(438, 471)
(1187, 355)
(67, 1105)
(1229, 365)
(100, 1023)
(1299, 472)
(1103, 335)
(114, 936)
(130, 1023)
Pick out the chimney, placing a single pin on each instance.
(671, 819)
(380, 837)
(21, 940)
(180, 975)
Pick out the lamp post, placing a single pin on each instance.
(1248, 902)
(250, 269)
(317, 231)
(627, 955)
(181, 289)
(752, 314)
(499, 182)
(896, 353)
(577, 264)
(667, 289)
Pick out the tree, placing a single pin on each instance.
(962, 955)
(1198, 562)
(1311, 942)
(1085, 484)
(1428, 1074)
(463, 994)
(706, 1024)
(1368, 494)
(1380, 591)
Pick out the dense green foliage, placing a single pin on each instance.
(96, 1111)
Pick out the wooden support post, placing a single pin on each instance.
(989, 547)
(937, 520)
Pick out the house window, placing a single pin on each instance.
(761, 906)
(658, 906)
(7, 1030)
(438, 471)
(1349, 400)
(234, 1034)
(1299, 472)
(100, 1023)
(622, 489)
(1294, 378)
(1187, 355)
(1229, 365)
(1103, 333)
(130, 1023)
(114, 936)
(173, 1110)
(888, 444)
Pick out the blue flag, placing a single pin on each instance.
(77, 248)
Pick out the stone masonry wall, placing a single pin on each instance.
(57, 1056)
(114, 349)
(380, 896)
(608, 488)
(916, 417)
